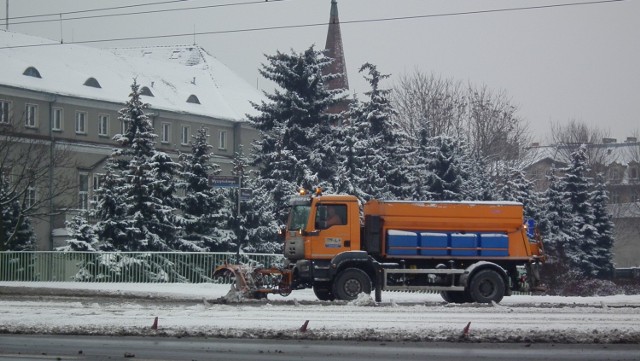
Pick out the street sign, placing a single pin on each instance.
(223, 181)
(245, 194)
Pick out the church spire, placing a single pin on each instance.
(333, 49)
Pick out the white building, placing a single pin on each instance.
(66, 98)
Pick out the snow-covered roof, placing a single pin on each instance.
(173, 74)
(621, 153)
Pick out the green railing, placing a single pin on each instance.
(169, 267)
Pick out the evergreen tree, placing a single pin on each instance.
(447, 172)
(111, 209)
(480, 185)
(16, 232)
(254, 227)
(557, 226)
(82, 236)
(352, 144)
(142, 222)
(166, 171)
(203, 206)
(517, 188)
(602, 257)
(294, 126)
(390, 160)
(577, 185)
(421, 172)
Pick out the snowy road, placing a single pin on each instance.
(191, 310)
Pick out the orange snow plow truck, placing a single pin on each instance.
(468, 251)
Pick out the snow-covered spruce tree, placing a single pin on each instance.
(82, 236)
(147, 222)
(602, 257)
(254, 228)
(389, 158)
(203, 207)
(294, 126)
(447, 169)
(421, 159)
(578, 185)
(557, 225)
(16, 233)
(166, 171)
(111, 209)
(480, 186)
(355, 154)
(516, 187)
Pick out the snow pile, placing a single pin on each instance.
(363, 300)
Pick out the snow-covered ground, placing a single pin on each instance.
(196, 309)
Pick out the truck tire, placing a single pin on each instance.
(323, 292)
(487, 286)
(350, 283)
(456, 296)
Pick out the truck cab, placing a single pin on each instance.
(321, 227)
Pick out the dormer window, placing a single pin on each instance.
(31, 71)
(193, 99)
(146, 91)
(92, 82)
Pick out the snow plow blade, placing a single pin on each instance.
(255, 283)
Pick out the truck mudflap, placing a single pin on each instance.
(256, 283)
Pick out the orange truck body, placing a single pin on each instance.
(451, 218)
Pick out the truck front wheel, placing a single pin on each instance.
(455, 297)
(487, 286)
(350, 283)
(323, 291)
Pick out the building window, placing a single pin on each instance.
(97, 184)
(206, 135)
(222, 142)
(103, 125)
(31, 115)
(31, 197)
(58, 116)
(614, 197)
(124, 125)
(166, 132)
(614, 175)
(81, 122)
(5, 114)
(633, 173)
(83, 191)
(185, 135)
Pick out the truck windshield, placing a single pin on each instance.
(298, 217)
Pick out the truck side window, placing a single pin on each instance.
(331, 215)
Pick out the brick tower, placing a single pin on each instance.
(334, 49)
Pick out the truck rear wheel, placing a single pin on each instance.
(350, 283)
(487, 286)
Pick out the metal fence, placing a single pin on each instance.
(169, 267)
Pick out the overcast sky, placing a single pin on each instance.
(556, 64)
